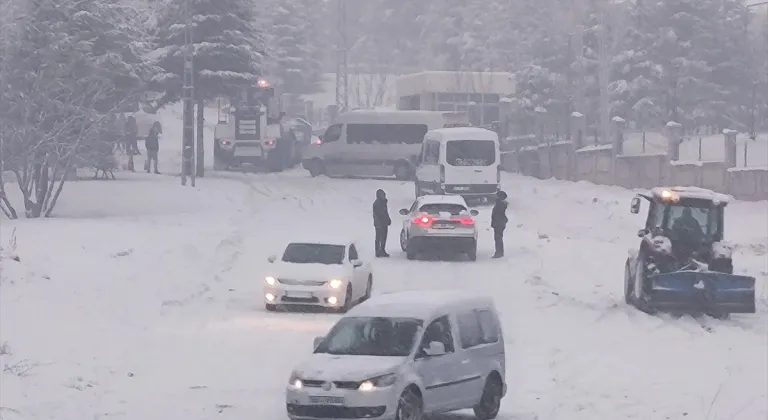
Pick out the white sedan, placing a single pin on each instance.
(439, 223)
(330, 274)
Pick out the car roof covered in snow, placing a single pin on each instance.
(420, 304)
(442, 199)
(462, 133)
(694, 193)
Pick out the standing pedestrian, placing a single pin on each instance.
(381, 222)
(499, 222)
(153, 146)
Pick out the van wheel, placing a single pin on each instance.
(490, 401)
(409, 407)
(316, 167)
(417, 191)
(403, 172)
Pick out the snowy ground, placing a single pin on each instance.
(142, 301)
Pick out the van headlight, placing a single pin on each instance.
(382, 381)
(335, 283)
(270, 280)
(295, 382)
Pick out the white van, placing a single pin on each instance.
(404, 355)
(459, 160)
(375, 143)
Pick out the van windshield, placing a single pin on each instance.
(470, 152)
(369, 336)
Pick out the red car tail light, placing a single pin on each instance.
(424, 220)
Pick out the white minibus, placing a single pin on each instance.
(375, 143)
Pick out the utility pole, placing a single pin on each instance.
(188, 138)
(605, 112)
(756, 72)
(342, 57)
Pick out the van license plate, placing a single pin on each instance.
(319, 399)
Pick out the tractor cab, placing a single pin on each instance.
(692, 219)
(682, 263)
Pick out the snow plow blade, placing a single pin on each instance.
(707, 292)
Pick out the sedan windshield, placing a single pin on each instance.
(314, 254)
(367, 336)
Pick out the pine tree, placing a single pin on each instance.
(228, 48)
(293, 45)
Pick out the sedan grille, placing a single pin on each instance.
(292, 282)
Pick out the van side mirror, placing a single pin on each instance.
(634, 206)
(404, 212)
(473, 212)
(316, 342)
(272, 258)
(435, 348)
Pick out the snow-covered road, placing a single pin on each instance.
(149, 306)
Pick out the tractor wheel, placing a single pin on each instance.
(628, 285)
(639, 298)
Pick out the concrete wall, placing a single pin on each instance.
(599, 164)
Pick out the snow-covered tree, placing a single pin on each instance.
(70, 65)
(228, 51)
(228, 48)
(294, 46)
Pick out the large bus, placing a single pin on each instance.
(375, 143)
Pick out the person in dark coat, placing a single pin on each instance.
(153, 146)
(499, 222)
(381, 222)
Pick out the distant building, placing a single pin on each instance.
(476, 93)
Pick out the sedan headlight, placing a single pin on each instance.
(382, 381)
(270, 280)
(335, 283)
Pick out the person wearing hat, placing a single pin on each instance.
(381, 222)
(499, 222)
